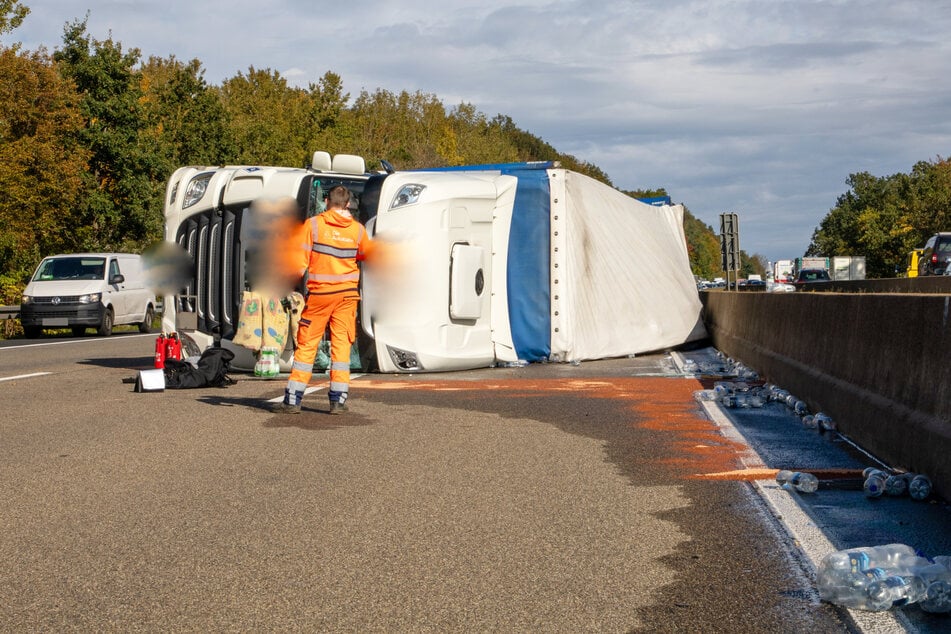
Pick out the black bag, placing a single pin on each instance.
(212, 371)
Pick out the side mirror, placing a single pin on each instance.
(117, 279)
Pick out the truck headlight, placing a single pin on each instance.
(91, 298)
(196, 189)
(26, 299)
(407, 195)
(404, 359)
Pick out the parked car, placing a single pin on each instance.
(87, 290)
(810, 276)
(935, 256)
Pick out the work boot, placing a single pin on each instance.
(286, 408)
(338, 407)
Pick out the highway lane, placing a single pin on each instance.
(546, 498)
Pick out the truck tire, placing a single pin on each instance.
(32, 332)
(105, 328)
(78, 331)
(146, 325)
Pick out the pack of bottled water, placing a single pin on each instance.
(267, 364)
(878, 578)
(878, 483)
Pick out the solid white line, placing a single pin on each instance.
(23, 376)
(77, 340)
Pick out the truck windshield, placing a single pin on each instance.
(77, 268)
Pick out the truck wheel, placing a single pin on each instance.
(79, 331)
(146, 325)
(105, 328)
(32, 332)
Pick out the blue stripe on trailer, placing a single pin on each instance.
(529, 265)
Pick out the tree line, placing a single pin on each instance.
(90, 133)
(885, 218)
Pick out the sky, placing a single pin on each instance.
(761, 108)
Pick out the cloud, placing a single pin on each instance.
(762, 108)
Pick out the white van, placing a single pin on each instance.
(87, 290)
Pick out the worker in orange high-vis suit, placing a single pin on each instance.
(328, 248)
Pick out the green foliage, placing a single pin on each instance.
(92, 133)
(186, 120)
(883, 218)
(115, 211)
(41, 182)
(703, 247)
(12, 13)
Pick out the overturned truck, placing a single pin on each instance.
(495, 264)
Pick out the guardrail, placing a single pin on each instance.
(9, 312)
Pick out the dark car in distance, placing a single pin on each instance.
(935, 256)
(809, 276)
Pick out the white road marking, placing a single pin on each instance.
(309, 390)
(23, 376)
(77, 340)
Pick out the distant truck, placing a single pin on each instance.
(811, 263)
(848, 267)
(784, 270)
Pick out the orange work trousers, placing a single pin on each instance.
(340, 311)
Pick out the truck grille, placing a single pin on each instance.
(214, 289)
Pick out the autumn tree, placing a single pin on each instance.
(883, 218)
(269, 119)
(121, 208)
(41, 183)
(12, 13)
(185, 118)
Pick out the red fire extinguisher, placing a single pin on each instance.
(160, 351)
(173, 347)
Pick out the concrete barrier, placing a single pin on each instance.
(879, 364)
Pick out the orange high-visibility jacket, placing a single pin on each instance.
(330, 246)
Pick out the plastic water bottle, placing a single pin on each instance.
(800, 408)
(937, 576)
(874, 485)
(844, 577)
(809, 421)
(802, 482)
(896, 485)
(937, 597)
(895, 591)
(920, 487)
(825, 422)
(783, 476)
(780, 395)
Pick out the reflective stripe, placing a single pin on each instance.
(303, 367)
(336, 252)
(339, 387)
(340, 365)
(296, 387)
(323, 277)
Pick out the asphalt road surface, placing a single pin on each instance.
(550, 498)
